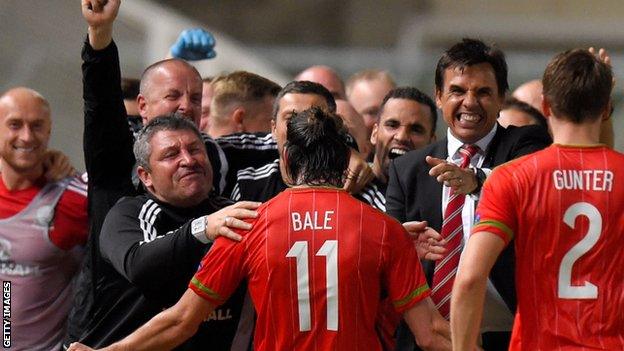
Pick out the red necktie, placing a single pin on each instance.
(452, 231)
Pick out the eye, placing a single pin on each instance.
(391, 124)
(170, 154)
(14, 125)
(174, 95)
(485, 92)
(417, 129)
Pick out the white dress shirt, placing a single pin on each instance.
(496, 314)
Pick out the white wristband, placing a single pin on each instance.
(198, 229)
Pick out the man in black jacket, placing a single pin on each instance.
(152, 244)
(170, 86)
(471, 81)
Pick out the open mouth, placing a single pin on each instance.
(468, 119)
(396, 152)
(24, 149)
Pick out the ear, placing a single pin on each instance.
(145, 178)
(273, 126)
(546, 107)
(238, 117)
(142, 107)
(373, 137)
(438, 98)
(608, 111)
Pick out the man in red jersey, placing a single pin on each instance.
(41, 224)
(563, 208)
(317, 262)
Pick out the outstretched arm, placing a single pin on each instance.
(430, 329)
(167, 329)
(469, 289)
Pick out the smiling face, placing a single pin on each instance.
(404, 125)
(179, 173)
(24, 130)
(171, 87)
(469, 101)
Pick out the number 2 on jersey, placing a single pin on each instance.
(299, 250)
(587, 290)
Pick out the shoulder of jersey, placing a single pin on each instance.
(259, 141)
(78, 184)
(251, 173)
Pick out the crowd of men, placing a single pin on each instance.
(231, 213)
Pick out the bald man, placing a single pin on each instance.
(326, 77)
(42, 226)
(366, 90)
(531, 93)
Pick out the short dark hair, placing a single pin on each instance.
(172, 121)
(411, 93)
(511, 103)
(316, 151)
(470, 52)
(305, 87)
(129, 88)
(577, 85)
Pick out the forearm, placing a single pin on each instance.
(165, 331)
(145, 261)
(100, 36)
(430, 329)
(107, 138)
(467, 307)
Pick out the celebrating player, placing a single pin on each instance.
(317, 262)
(563, 208)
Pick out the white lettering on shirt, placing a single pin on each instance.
(311, 220)
(595, 180)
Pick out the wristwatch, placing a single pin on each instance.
(198, 229)
(480, 177)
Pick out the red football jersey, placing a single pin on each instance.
(564, 206)
(70, 221)
(317, 262)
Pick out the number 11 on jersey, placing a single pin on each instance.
(299, 250)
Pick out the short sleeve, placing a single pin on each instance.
(496, 210)
(220, 271)
(405, 279)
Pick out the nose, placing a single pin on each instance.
(470, 99)
(186, 158)
(402, 133)
(26, 134)
(185, 104)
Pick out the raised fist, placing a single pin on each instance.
(100, 12)
(193, 45)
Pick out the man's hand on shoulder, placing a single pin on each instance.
(231, 217)
(57, 166)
